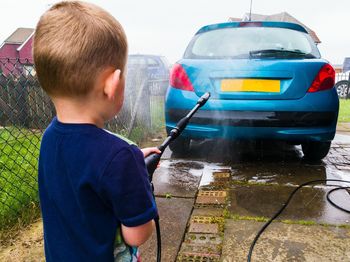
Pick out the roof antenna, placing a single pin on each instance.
(250, 12)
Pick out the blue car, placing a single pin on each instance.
(267, 81)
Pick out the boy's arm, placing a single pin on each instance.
(126, 189)
(136, 236)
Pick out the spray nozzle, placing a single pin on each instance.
(203, 99)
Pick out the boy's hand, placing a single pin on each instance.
(149, 150)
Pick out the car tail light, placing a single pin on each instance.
(324, 80)
(179, 78)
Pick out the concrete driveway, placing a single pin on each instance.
(213, 201)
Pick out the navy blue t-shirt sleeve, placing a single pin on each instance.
(125, 187)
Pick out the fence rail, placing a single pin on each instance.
(25, 112)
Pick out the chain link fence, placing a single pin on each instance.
(25, 112)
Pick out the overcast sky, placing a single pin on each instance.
(165, 27)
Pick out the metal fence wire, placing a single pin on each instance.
(25, 112)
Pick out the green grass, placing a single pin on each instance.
(157, 114)
(146, 126)
(141, 132)
(344, 110)
(18, 176)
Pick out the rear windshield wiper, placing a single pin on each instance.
(279, 53)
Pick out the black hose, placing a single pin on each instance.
(287, 202)
(159, 241)
(331, 201)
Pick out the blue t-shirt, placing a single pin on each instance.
(90, 182)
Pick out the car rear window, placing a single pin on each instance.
(242, 42)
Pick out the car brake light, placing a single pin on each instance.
(324, 80)
(179, 78)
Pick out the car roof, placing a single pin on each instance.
(287, 25)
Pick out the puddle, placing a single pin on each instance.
(308, 204)
(272, 185)
(177, 178)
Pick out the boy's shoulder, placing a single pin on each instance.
(86, 137)
(120, 137)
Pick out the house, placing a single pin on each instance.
(16, 53)
(280, 17)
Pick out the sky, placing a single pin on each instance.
(165, 27)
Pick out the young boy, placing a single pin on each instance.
(93, 186)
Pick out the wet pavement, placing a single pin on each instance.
(219, 190)
(285, 242)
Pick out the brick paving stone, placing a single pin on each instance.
(211, 197)
(205, 250)
(203, 239)
(193, 257)
(222, 176)
(208, 211)
(203, 228)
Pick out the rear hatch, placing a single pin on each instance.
(252, 78)
(252, 60)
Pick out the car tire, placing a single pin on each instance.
(315, 151)
(180, 146)
(342, 88)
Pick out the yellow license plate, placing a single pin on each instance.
(250, 85)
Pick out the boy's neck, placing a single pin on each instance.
(77, 112)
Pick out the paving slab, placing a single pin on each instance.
(307, 204)
(289, 174)
(174, 214)
(178, 178)
(280, 173)
(284, 242)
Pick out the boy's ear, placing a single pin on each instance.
(112, 84)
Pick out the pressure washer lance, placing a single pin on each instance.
(153, 159)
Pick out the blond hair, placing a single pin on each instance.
(73, 42)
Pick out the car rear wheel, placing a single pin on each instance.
(180, 145)
(315, 150)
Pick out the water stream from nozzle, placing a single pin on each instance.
(152, 160)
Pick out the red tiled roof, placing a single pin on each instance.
(19, 36)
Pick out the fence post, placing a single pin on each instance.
(22, 102)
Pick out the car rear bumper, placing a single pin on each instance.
(311, 118)
(256, 119)
(298, 135)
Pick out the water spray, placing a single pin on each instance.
(153, 159)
